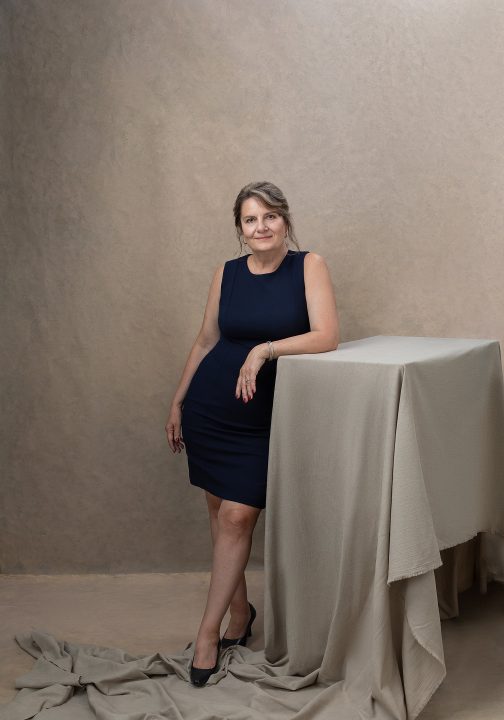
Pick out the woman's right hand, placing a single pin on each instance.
(173, 429)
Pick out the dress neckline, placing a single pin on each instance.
(263, 274)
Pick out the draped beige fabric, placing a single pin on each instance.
(386, 459)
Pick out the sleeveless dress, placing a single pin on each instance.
(226, 439)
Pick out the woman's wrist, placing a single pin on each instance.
(268, 350)
(263, 349)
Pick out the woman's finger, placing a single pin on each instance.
(179, 440)
(169, 436)
(239, 385)
(250, 388)
(247, 387)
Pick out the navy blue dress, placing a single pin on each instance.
(226, 439)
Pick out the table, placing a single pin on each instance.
(384, 453)
(386, 457)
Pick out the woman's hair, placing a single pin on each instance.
(273, 198)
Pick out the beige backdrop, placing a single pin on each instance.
(129, 128)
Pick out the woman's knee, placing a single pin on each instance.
(237, 518)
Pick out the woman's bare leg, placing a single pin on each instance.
(235, 525)
(239, 607)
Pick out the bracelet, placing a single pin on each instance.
(271, 351)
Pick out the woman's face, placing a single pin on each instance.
(263, 227)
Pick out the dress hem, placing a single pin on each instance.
(228, 497)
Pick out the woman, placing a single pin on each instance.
(270, 302)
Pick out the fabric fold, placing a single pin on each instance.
(383, 455)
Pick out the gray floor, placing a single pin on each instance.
(151, 612)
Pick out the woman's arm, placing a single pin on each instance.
(324, 326)
(324, 332)
(206, 339)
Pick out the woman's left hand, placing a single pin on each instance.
(248, 371)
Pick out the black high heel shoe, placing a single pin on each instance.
(227, 642)
(199, 676)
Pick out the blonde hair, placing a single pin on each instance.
(273, 198)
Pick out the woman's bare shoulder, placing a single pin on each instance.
(314, 258)
(315, 265)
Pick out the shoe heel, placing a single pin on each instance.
(227, 642)
(243, 640)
